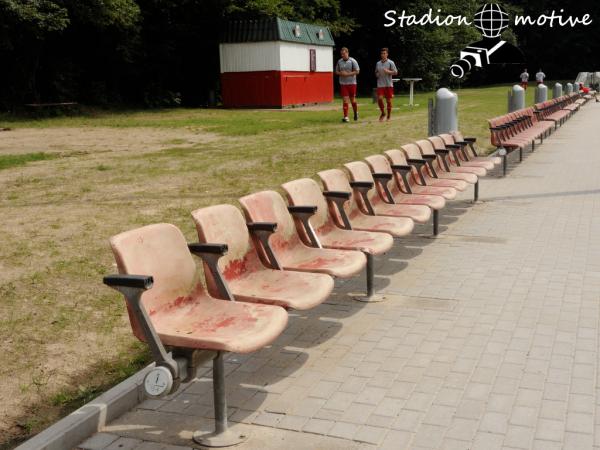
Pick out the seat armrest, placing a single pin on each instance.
(457, 146)
(404, 171)
(210, 254)
(262, 231)
(262, 226)
(441, 151)
(444, 154)
(382, 176)
(302, 209)
(132, 287)
(363, 188)
(362, 184)
(337, 194)
(213, 249)
(461, 143)
(303, 214)
(339, 198)
(419, 163)
(142, 282)
(382, 179)
(470, 139)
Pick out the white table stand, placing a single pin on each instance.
(411, 98)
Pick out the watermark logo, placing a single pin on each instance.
(491, 20)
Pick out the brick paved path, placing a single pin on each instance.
(488, 340)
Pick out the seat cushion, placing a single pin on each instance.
(418, 213)
(290, 289)
(338, 263)
(465, 177)
(202, 322)
(433, 201)
(448, 193)
(365, 241)
(396, 226)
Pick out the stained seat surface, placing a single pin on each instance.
(248, 278)
(380, 164)
(306, 191)
(181, 311)
(292, 253)
(336, 180)
(359, 171)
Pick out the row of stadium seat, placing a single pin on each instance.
(274, 255)
(520, 129)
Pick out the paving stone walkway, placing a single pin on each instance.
(488, 339)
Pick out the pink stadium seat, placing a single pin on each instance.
(419, 176)
(285, 248)
(463, 154)
(468, 143)
(372, 203)
(389, 188)
(344, 208)
(247, 277)
(322, 231)
(453, 158)
(168, 307)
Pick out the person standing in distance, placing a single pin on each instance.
(385, 69)
(539, 76)
(524, 79)
(347, 69)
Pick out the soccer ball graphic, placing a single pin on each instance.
(491, 19)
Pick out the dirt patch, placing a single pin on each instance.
(100, 139)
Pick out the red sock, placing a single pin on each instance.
(389, 108)
(354, 106)
(345, 109)
(380, 102)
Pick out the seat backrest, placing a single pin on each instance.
(306, 192)
(269, 206)
(458, 137)
(412, 151)
(225, 224)
(337, 180)
(380, 164)
(159, 250)
(446, 138)
(359, 171)
(437, 142)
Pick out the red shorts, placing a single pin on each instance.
(387, 92)
(348, 90)
(524, 84)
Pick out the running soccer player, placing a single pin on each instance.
(524, 79)
(539, 77)
(384, 71)
(347, 69)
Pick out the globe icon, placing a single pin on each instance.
(491, 19)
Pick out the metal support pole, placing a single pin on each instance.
(504, 164)
(370, 296)
(222, 436)
(436, 222)
(520, 154)
(476, 191)
(219, 394)
(370, 274)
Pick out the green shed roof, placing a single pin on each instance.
(276, 29)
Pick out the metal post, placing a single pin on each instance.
(370, 274)
(436, 222)
(222, 436)
(476, 191)
(504, 164)
(219, 394)
(520, 154)
(431, 118)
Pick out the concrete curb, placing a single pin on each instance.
(67, 433)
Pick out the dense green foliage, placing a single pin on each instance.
(165, 52)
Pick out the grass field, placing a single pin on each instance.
(69, 183)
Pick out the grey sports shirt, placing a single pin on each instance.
(350, 65)
(384, 79)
